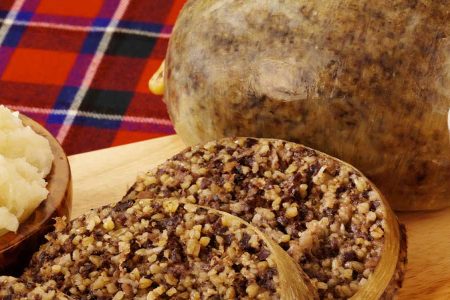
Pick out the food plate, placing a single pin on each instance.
(17, 248)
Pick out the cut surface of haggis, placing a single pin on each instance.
(322, 211)
(14, 288)
(165, 249)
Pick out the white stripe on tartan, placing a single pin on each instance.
(92, 69)
(12, 14)
(98, 116)
(8, 21)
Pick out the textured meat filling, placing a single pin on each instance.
(156, 250)
(323, 212)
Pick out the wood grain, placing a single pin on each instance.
(102, 177)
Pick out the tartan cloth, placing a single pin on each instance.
(81, 67)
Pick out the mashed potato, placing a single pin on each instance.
(18, 141)
(25, 160)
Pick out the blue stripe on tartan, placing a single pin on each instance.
(64, 99)
(98, 22)
(91, 42)
(15, 32)
(104, 122)
(56, 119)
(151, 27)
(3, 14)
(24, 16)
(94, 122)
(101, 22)
(14, 35)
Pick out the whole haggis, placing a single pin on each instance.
(365, 81)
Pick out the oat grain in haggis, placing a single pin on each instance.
(323, 212)
(152, 249)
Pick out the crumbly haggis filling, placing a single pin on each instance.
(14, 288)
(150, 249)
(323, 212)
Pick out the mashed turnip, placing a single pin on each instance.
(25, 160)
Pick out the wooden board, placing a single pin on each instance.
(103, 176)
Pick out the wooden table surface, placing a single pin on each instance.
(102, 177)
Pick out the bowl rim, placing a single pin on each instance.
(59, 176)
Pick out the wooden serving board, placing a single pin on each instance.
(102, 177)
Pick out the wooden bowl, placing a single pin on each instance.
(16, 249)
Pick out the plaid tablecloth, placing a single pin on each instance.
(81, 67)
